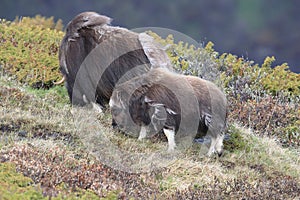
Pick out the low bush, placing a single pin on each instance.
(29, 50)
(236, 142)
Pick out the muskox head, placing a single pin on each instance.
(119, 109)
(130, 111)
(135, 110)
(86, 19)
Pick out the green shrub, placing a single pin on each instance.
(29, 51)
(236, 141)
(41, 21)
(190, 60)
(281, 80)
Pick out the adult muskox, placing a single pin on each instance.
(162, 100)
(94, 56)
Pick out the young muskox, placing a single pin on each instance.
(163, 100)
(94, 56)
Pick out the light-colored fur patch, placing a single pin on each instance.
(143, 133)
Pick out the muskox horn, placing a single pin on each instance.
(61, 81)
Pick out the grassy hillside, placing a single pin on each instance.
(46, 152)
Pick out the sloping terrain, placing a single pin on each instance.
(40, 140)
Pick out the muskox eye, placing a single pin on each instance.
(116, 111)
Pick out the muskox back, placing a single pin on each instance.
(94, 56)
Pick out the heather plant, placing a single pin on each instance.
(29, 50)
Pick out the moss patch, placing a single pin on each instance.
(14, 185)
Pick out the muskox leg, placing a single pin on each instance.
(170, 134)
(211, 149)
(143, 133)
(216, 145)
(219, 144)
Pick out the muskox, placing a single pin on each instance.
(165, 101)
(94, 56)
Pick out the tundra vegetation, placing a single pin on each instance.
(42, 155)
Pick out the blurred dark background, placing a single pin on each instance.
(253, 29)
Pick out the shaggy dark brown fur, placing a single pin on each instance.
(164, 100)
(94, 56)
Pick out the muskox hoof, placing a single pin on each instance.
(220, 153)
(213, 153)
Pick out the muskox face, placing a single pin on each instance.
(121, 117)
(118, 114)
(137, 110)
